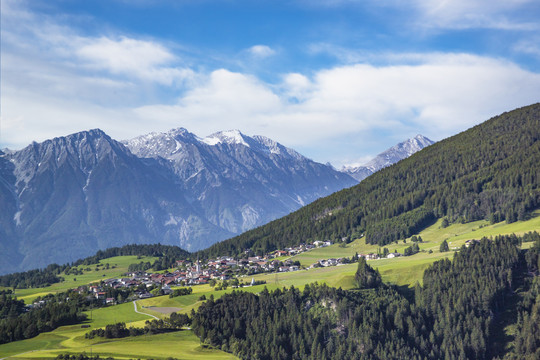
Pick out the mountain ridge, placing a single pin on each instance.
(85, 191)
(229, 162)
(68, 196)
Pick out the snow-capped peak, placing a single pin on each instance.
(388, 157)
(276, 148)
(226, 137)
(160, 144)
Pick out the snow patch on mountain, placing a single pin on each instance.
(17, 218)
(227, 137)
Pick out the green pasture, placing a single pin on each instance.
(456, 235)
(180, 345)
(407, 270)
(70, 339)
(121, 264)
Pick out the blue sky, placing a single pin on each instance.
(337, 80)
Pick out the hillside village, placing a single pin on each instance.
(144, 284)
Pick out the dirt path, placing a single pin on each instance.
(140, 312)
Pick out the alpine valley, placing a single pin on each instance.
(435, 257)
(67, 197)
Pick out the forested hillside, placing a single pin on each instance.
(450, 317)
(490, 171)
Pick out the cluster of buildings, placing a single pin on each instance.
(330, 262)
(341, 261)
(197, 273)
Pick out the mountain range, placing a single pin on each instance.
(237, 181)
(64, 198)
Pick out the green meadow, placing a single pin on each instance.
(456, 235)
(70, 339)
(94, 274)
(180, 345)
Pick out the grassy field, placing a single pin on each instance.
(121, 264)
(180, 345)
(456, 235)
(70, 339)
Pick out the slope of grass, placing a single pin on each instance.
(121, 264)
(456, 235)
(180, 345)
(70, 339)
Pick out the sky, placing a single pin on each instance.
(337, 80)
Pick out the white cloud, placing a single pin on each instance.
(459, 14)
(261, 51)
(51, 45)
(224, 100)
(143, 59)
(438, 97)
(530, 47)
(56, 81)
(296, 86)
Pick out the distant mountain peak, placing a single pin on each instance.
(157, 144)
(84, 135)
(388, 157)
(182, 133)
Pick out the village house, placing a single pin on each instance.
(280, 253)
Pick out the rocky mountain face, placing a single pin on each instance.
(67, 197)
(70, 196)
(240, 182)
(388, 157)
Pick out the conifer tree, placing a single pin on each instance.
(444, 247)
(365, 276)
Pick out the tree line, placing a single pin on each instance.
(20, 324)
(119, 330)
(526, 342)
